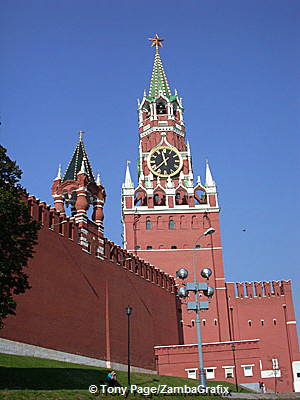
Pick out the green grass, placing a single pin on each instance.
(36, 378)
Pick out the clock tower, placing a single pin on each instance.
(167, 215)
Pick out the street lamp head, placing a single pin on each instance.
(182, 292)
(209, 292)
(206, 273)
(128, 310)
(182, 273)
(209, 231)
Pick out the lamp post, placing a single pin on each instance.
(197, 305)
(128, 311)
(235, 370)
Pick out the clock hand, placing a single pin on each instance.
(157, 166)
(164, 158)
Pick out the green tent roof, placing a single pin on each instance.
(75, 164)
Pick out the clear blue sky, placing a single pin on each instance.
(70, 65)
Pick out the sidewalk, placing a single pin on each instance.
(264, 396)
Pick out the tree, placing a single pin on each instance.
(18, 235)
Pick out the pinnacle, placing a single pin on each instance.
(78, 160)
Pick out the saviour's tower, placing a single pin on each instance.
(166, 214)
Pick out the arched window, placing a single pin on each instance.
(274, 321)
(137, 248)
(171, 223)
(148, 224)
(204, 322)
(173, 247)
(262, 322)
(215, 322)
(149, 248)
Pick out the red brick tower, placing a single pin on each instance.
(166, 215)
(78, 189)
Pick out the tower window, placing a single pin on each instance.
(149, 248)
(161, 108)
(215, 321)
(171, 224)
(262, 322)
(173, 247)
(137, 248)
(148, 224)
(274, 321)
(204, 322)
(250, 322)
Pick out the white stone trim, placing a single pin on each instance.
(24, 349)
(218, 288)
(228, 366)
(170, 128)
(197, 249)
(196, 344)
(247, 365)
(176, 210)
(290, 322)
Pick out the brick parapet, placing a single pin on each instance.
(96, 245)
(257, 289)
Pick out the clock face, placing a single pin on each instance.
(164, 161)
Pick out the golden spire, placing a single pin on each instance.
(156, 41)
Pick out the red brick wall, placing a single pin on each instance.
(77, 304)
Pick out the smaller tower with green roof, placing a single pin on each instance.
(78, 189)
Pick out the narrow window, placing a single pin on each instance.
(171, 224)
(274, 321)
(148, 224)
(262, 322)
(215, 321)
(193, 322)
(250, 322)
(204, 322)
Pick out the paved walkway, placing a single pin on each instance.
(259, 396)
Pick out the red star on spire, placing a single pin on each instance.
(156, 41)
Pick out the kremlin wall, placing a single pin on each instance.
(82, 282)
